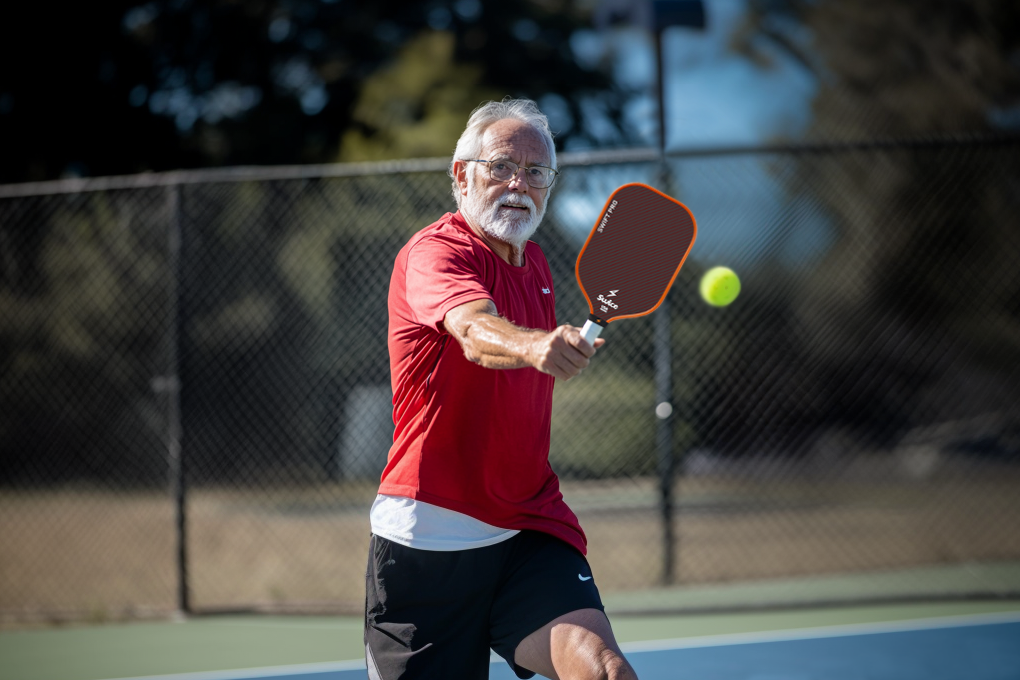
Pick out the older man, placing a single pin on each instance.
(473, 546)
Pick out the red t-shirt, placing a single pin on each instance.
(471, 439)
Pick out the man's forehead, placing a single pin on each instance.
(513, 138)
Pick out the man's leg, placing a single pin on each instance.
(547, 615)
(576, 646)
(426, 612)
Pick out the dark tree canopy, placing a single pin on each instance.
(121, 87)
(899, 68)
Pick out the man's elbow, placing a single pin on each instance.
(462, 334)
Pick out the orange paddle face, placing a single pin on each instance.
(634, 253)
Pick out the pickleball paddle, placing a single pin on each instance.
(632, 255)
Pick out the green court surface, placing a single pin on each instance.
(943, 582)
(215, 643)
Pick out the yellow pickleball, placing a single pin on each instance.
(720, 286)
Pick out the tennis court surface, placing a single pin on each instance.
(963, 640)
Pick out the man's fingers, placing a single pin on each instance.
(565, 352)
(578, 340)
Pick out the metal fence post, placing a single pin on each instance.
(663, 356)
(689, 14)
(172, 387)
(664, 435)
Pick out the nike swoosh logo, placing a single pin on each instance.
(584, 578)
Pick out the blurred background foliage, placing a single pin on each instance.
(187, 83)
(191, 83)
(897, 69)
(125, 87)
(905, 71)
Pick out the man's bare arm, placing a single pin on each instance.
(493, 342)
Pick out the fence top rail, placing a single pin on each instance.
(571, 158)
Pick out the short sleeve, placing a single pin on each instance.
(442, 273)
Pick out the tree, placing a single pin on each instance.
(125, 87)
(896, 69)
(911, 333)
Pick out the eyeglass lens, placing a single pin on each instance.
(537, 176)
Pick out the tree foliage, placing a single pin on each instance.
(898, 68)
(911, 332)
(123, 87)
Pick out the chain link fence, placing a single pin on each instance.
(195, 400)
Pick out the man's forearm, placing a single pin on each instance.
(488, 339)
(494, 342)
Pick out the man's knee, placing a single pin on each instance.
(614, 666)
(576, 646)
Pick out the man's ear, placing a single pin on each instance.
(460, 171)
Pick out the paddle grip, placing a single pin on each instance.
(590, 331)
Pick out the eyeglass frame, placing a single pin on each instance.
(555, 172)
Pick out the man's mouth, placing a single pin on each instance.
(513, 206)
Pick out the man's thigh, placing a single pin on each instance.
(543, 579)
(426, 614)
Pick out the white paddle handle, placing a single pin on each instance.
(590, 331)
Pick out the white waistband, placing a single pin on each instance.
(429, 527)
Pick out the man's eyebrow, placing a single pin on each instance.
(508, 157)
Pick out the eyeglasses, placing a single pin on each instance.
(538, 176)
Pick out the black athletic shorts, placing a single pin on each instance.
(434, 614)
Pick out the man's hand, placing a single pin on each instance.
(563, 353)
(492, 341)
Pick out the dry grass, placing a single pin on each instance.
(102, 555)
(743, 531)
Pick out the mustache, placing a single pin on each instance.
(515, 201)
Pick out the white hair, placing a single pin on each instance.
(469, 146)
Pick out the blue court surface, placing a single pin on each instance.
(981, 647)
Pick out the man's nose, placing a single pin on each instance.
(518, 181)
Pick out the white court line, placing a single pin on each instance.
(645, 646)
(844, 630)
(266, 671)
(325, 625)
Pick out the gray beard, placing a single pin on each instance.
(507, 227)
